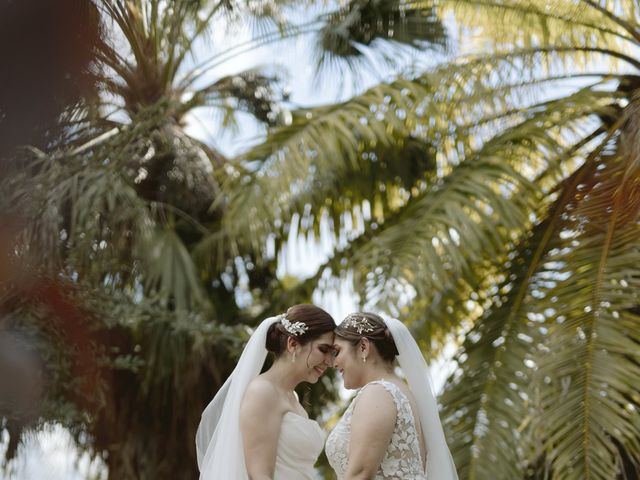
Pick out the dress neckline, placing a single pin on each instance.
(386, 382)
(299, 416)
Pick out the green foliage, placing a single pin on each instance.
(360, 24)
(489, 213)
(519, 239)
(132, 322)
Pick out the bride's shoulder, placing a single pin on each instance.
(378, 387)
(261, 403)
(374, 397)
(374, 412)
(261, 406)
(261, 394)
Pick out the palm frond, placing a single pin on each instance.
(495, 385)
(301, 155)
(252, 91)
(362, 24)
(98, 223)
(486, 400)
(171, 272)
(531, 24)
(593, 344)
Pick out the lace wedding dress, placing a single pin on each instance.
(402, 460)
(300, 443)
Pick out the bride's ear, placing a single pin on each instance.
(364, 347)
(292, 344)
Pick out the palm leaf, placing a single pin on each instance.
(593, 349)
(486, 401)
(171, 272)
(302, 154)
(362, 23)
(541, 24)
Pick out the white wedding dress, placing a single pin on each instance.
(300, 443)
(402, 460)
(219, 445)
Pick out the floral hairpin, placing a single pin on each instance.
(359, 323)
(294, 328)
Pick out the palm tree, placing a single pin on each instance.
(499, 198)
(130, 302)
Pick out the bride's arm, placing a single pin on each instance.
(260, 420)
(372, 424)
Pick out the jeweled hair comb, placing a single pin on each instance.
(294, 328)
(358, 323)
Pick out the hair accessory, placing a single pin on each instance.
(294, 328)
(359, 323)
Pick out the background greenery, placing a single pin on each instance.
(497, 193)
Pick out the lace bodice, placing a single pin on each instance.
(402, 460)
(299, 446)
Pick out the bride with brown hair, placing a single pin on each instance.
(391, 430)
(255, 428)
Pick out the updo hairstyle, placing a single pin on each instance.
(315, 319)
(359, 325)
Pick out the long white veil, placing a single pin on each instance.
(218, 439)
(440, 464)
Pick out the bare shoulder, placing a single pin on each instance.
(375, 401)
(374, 417)
(262, 387)
(261, 396)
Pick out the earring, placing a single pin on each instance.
(364, 359)
(293, 357)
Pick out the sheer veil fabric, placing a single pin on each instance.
(440, 464)
(218, 440)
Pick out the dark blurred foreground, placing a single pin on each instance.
(48, 50)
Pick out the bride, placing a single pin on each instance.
(255, 427)
(391, 430)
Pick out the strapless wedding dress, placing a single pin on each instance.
(300, 443)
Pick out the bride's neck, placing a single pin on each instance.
(380, 371)
(282, 375)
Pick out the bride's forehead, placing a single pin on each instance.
(326, 337)
(340, 342)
